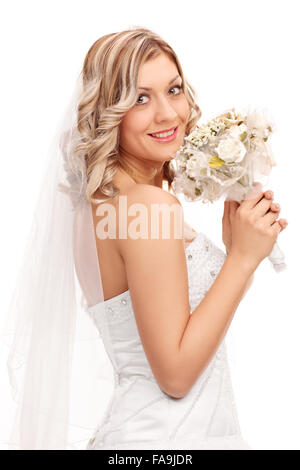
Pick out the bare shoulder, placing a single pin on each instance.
(148, 193)
(151, 214)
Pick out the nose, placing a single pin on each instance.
(164, 111)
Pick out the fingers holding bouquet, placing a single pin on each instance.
(275, 208)
(254, 226)
(262, 205)
(262, 208)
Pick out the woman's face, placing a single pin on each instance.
(162, 107)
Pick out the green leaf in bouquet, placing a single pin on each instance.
(243, 136)
(216, 162)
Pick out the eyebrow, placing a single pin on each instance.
(171, 81)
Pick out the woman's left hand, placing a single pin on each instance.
(226, 228)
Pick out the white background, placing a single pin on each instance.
(234, 53)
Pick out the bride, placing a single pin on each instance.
(162, 304)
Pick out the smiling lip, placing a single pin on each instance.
(169, 138)
(166, 130)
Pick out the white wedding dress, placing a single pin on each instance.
(140, 415)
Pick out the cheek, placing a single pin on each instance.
(185, 109)
(134, 124)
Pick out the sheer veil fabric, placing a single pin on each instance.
(55, 372)
(55, 366)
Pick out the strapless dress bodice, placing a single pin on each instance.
(142, 416)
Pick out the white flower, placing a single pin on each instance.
(196, 165)
(205, 131)
(199, 136)
(236, 131)
(231, 150)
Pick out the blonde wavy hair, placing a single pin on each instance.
(109, 90)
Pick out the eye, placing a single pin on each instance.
(173, 88)
(177, 86)
(140, 96)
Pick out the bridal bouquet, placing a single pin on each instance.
(224, 157)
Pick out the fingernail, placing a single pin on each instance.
(277, 206)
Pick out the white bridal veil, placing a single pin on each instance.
(51, 355)
(52, 362)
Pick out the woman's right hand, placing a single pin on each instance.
(254, 228)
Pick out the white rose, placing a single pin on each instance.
(196, 166)
(231, 150)
(236, 131)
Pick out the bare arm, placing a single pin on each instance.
(250, 280)
(248, 285)
(178, 345)
(210, 320)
